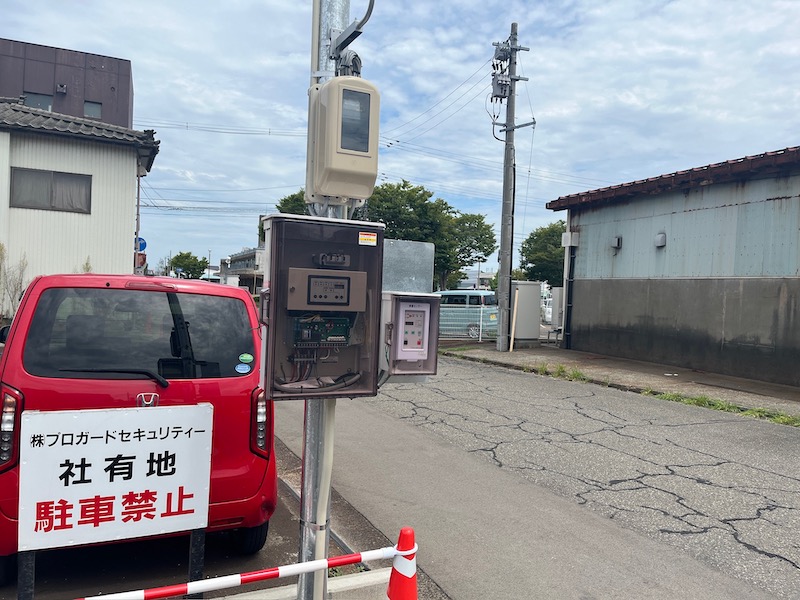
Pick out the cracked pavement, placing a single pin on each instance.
(724, 488)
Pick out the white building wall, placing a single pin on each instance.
(5, 186)
(62, 242)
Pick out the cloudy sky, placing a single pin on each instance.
(620, 90)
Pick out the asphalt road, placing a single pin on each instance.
(523, 486)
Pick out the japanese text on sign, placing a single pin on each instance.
(85, 479)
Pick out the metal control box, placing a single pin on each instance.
(410, 334)
(320, 307)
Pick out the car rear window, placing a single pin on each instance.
(76, 332)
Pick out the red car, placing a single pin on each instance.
(89, 341)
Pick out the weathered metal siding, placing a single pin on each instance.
(734, 230)
(722, 295)
(748, 327)
(61, 242)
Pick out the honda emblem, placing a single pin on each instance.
(146, 399)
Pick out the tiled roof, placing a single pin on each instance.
(739, 169)
(15, 116)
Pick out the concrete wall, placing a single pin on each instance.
(721, 295)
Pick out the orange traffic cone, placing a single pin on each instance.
(403, 580)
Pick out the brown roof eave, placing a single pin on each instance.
(749, 167)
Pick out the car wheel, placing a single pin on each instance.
(473, 331)
(249, 540)
(8, 569)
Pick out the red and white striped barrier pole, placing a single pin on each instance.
(229, 581)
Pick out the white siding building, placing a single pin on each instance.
(68, 190)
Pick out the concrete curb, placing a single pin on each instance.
(639, 376)
(369, 585)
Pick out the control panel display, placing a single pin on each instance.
(324, 289)
(328, 290)
(414, 330)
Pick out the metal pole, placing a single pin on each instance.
(320, 414)
(197, 550)
(26, 574)
(507, 217)
(138, 218)
(315, 493)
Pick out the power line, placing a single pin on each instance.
(478, 70)
(225, 190)
(480, 92)
(229, 130)
(491, 165)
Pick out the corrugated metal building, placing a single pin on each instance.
(698, 269)
(68, 190)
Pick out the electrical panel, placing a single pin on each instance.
(410, 334)
(320, 307)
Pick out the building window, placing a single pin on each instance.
(43, 101)
(51, 190)
(92, 110)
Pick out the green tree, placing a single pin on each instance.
(542, 256)
(455, 279)
(410, 213)
(294, 204)
(475, 239)
(190, 265)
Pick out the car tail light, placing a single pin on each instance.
(11, 405)
(261, 424)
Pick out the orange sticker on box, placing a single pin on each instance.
(366, 238)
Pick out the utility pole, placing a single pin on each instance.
(504, 84)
